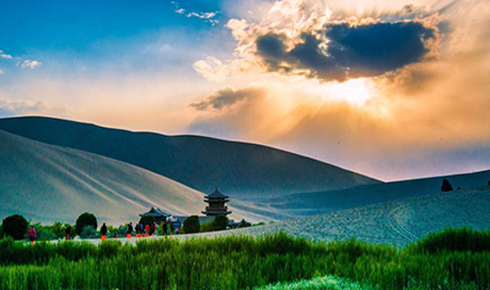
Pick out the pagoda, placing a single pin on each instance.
(217, 204)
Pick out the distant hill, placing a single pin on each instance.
(396, 222)
(246, 171)
(311, 203)
(49, 183)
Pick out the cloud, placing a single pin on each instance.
(226, 98)
(303, 38)
(32, 64)
(4, 55)
(13, 108)
(207, 16)
(348, 52)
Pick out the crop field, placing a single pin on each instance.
(454, 259)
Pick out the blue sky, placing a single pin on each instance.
(390, 88)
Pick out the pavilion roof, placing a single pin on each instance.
(155, 212)
(216, 194)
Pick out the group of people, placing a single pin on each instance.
(140, 230)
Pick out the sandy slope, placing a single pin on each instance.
(242, 170)
(47, 183)
(398, 222)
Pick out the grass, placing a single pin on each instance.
(241, 262)
(318, 283)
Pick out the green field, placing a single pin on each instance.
(453, 259)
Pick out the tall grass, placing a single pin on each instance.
(236, 262)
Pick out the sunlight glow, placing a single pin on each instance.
(354, 91)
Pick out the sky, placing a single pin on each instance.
(392, 89)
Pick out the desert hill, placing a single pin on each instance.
(311, 203)
(241, 170)
(397, 222)
(50, 183)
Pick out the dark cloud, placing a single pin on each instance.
(352, 51)
(225, 98)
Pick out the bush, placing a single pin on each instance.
(85, 219)
(89, 232)
(207, 227)
(15, 226)
(220, 222)
(446, 186)
(455, 240)
(244, 224)
(148, 220)
(191, 225)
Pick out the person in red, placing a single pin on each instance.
(147, 230)
(32, 235)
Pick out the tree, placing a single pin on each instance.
(446, 186)
(147, 220)
(192, 225)
(15, 226)
(220, 222)
(85, 219)
(89, 232)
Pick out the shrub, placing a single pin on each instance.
(244, 224)
(85, 219)
(220, 222)
(207, 227)
(148, 220)
(89, 232)
(59, 229)
(446, 186)
(15, 226)
(455, 240)
(191, 225)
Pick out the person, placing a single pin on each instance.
(32, 235)
(67, 232)
(103, 231)
(165, 229)
(147, 230)
(154, 230)
(130, 230)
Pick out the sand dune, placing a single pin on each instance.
(398, 222)
(48, 183)
(241, 170)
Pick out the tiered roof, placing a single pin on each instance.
(156, 213)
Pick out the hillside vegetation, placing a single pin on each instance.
(240, 262)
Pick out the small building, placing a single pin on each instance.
(216, 204)
(157, 214)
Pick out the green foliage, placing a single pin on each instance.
(58, 229)
(207, 227)
(319, 283)
(220, 222)
(89, 232)
(454, 240)
(85, 219)
(191, 225)
(244, 224)
(240, 262)
(147, 220)
(15, 226)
